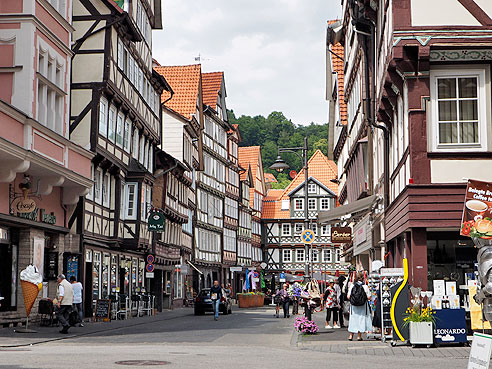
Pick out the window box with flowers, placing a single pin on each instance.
(421, 324)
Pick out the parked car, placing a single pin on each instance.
(203, 303)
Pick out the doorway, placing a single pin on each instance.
(88, 289)
(6, 277)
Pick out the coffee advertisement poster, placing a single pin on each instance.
(476, 221)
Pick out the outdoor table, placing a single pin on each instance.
(450, 326)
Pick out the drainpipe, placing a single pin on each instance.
(369, 45)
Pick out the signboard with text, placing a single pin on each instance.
(341, 234)
(476, 221)
(480, 351)
(155, 221)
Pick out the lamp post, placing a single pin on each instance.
(279, 165)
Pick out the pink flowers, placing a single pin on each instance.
(303, 325)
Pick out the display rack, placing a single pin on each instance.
(388, 279)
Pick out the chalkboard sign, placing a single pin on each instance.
(103, 309)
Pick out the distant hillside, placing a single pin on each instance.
(277, 131)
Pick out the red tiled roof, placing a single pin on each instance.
(319, 167)
(338, 67)
(270, 178)
(185, 82)
(211, 84)
(249, 156)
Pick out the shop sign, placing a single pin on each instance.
(236, 269)
(476, 221)
(360, 234)
(480, 351)
(155, 221)
(39, 215)
(391, 272)
(23, 206)
(341, 234)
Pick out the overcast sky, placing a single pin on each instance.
(272, 51)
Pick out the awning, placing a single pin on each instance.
(340, 211)
(194, 267)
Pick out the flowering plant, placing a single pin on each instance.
(295, 290)
(417, 314)
(303, 325)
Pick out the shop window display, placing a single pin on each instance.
(134, 276)
(105, 276)
(96, 276)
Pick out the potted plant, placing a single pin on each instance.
(421, 324)
(242, 300)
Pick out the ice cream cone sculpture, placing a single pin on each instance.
(31, 283)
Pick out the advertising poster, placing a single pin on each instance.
(476, 221)
(38, 254)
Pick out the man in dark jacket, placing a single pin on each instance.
(216, 295)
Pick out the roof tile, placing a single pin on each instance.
(211, 84)
(185, 82)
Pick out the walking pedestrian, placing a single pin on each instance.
(216, 296)
(360, 312)
(64, 302)
(284, 292)
(331, 304)
(341, 300)
(77, 299)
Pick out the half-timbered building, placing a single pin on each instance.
(428, 83)
(250, 157)
(182, 119)
(209, 229)
(283, 222)
(231, 202)
(43, 173)
(115, 113)
(244, 235)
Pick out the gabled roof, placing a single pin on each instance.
(338, 67)
(248, 157)
(211, 85)
(185, 82)
(310, 179)
(320, 169)
(270, 178)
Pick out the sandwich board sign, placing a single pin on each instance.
(480, 351)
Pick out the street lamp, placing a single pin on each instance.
(279, 165)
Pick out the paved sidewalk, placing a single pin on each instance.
(336, 341)
(10, 338)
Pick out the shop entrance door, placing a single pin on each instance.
(88, 289)
(5, 277)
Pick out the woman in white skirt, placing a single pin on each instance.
(360, 312)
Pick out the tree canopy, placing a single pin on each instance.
(277, 131)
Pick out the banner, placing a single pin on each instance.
(476, 221)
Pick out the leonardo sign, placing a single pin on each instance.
(341, 234)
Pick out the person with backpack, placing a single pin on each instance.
(360, 312)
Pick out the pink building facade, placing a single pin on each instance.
(43, 174)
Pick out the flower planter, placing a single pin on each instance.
(254, 300)
(249, 300)
(421, 333)
(260, 299)
(242, 300)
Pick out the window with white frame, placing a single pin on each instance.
(119, 130)
(286, 229)
(311, 204)
(325, 204)
(127, 135)
(314, 228)
(131, 201)
(298, 228)
(286, 255)
(299, 204)
(337, 255)
(327, 256)
(60, 6)
(103, 118)
(311, 188)
(106, 185)
(458, 100)
(122, 200)
(97, 185)
(136, 140)
(111, 123)
(142, 149)
(315, 256)
(51, 89)
(90, 194)
(300, 255)
(325, 230)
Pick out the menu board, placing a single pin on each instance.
(103, 309)
(51, 265)
(476, 221)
